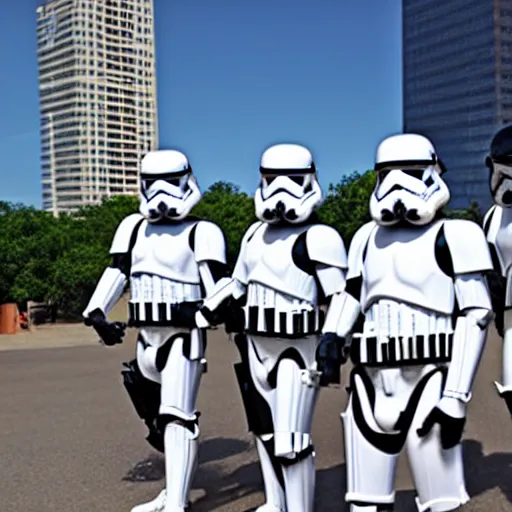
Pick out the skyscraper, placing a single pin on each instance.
(97, 89)
(457, 71)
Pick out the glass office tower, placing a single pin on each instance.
(457, 90)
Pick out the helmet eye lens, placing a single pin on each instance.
(174, 181)
(382, 174)
(148, 183)
(415, 173)
(298, 179)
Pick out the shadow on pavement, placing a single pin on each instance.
(483, 473)
(152, 469)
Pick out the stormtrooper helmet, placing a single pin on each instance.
(409, 187)
(499, 162)
(289, 190)
(168, 188)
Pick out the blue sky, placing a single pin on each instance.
(234, 77)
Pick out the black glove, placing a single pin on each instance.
(186, 312)
(235, 317)
(451, 428)
(507, 396)
(331, 353)
(110, 333)
(497, 287)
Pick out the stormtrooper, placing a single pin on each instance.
(170, 260)
(289, 267)
(498, 226)
(419, 280)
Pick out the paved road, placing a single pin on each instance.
(71, 442)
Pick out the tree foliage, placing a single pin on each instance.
(346, 204)
(59, 260)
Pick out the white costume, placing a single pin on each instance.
(498, 229)
(170, 260)
(288, 266)
(420, 281)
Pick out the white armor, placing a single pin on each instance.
(287, 192)
(414, 191)
(283, 273)
(168, 261)
(414, 364)
(498, 229)
(168, 187)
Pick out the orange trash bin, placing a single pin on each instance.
(9, 319)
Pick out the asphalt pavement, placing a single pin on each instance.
(70, 440)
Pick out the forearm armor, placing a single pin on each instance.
(470, 335)
(216, 307)
(108, 291)
(342, 314)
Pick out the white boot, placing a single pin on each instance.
(274, 493)
(181, 448)
(157, 505)
(300, 485)
(269, 508)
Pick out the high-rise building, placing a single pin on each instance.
(457, 89)
(97, 89)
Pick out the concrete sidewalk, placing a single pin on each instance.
(49, 336)
(61, 334)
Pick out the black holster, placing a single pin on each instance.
(145, 396)
(257, 410)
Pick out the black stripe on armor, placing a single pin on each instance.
(392, 357)
(253, 318)
(371, 350)
(420, 346)
(162, 312)
(289, 353)
(390, 443)
(163, 352)
(181, 315)
(304, 454)
(270, 319)
(410, 346)
(148, 312)
(321, 318)
(276, 323)
(385, 353)
(282, 323)
(298, 322)
(442, 345)
(432, 345)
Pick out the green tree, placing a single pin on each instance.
(30, 240)
(60, 260)
(473, 213)
(346, 206)
(232, 210)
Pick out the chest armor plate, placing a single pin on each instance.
(269, 260)
(401, 265)
(164, 250)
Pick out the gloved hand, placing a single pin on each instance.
(229, 313)
(506, 394)
(235, 317)
(110, 333)
(331, 353)
(450, 415)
